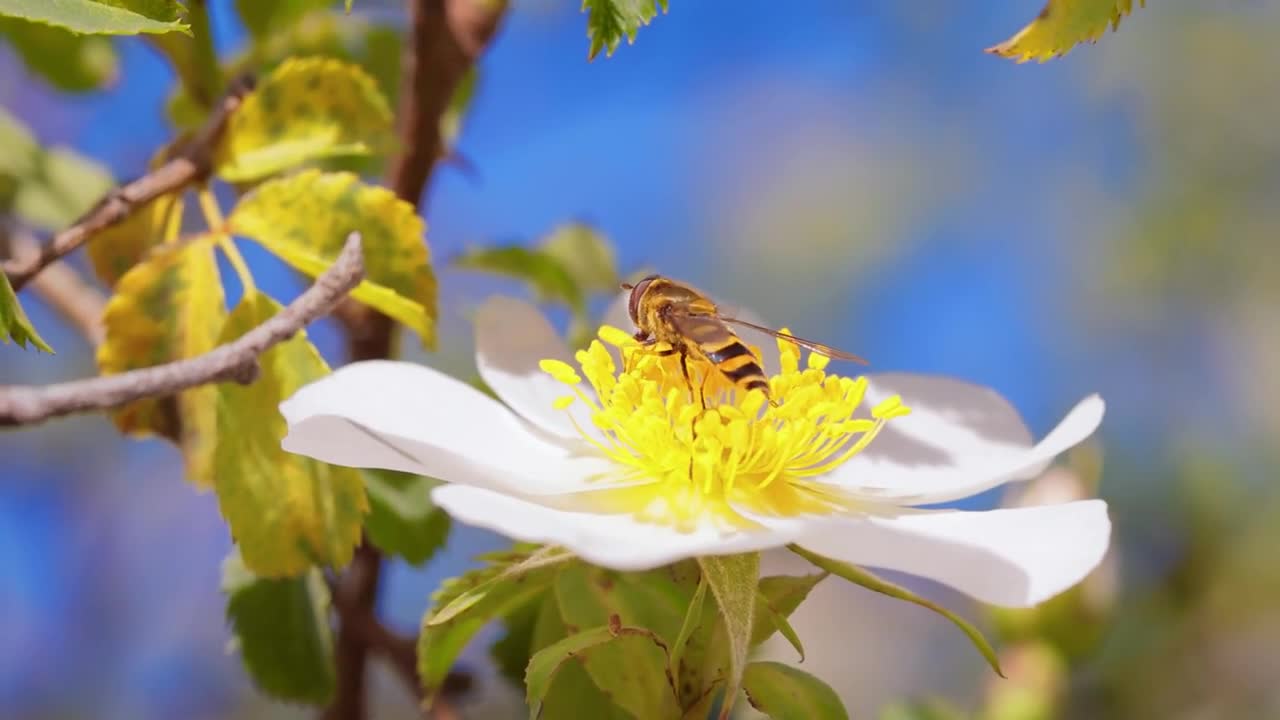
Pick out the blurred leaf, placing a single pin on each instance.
(287, 512)
(402, 519)
(306, 109)
(781, 595)
(465, 604)
(348, 5)
(858, 576)
(264, 18)
(786, 693)
(632, 673)
(456, 110)
(13, 321)
(305, 218)
(281, 628)
(511, 653)
(105, 17)
(546, 275)
(68, 62)
(931, 709)
(733, 580)
(608, 21)
(46, 188)
(586, 255)
(1062, 25)
(544, 665)
(168, 307)
(381, 56)
(122, 246)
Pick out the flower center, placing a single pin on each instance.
(703, 448)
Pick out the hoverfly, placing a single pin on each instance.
(668, 311)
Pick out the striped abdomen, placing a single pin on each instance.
(715, 341)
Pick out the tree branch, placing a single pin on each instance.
(237, 360)
(188, 162)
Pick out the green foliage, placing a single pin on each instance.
(45, 188)
(463, 605)
(930, 709)
(1062, 25)
(402, 519)
(547, 662)
(733, 580)
(281, 628)
(166, 308)
(858, 576)
(786, 693)
(779, 596)
(67, 61)
(120, 247)
(608, 21)
(287, 512)
(305, 110)
(511, 653)
(305, 218)
(103, 17)
(262, 19)
(14, 324)
(546, 275)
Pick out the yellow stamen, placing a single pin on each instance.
(681, 465)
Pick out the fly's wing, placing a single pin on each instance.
(807, 344)
(705, 332)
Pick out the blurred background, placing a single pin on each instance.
(864, 173)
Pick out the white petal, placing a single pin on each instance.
(404, 416)
(959, 440)
(512, 337)
(1015, 557)
(616, 541)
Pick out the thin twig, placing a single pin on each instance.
(237, 360)
(62, 288)
(188, 162)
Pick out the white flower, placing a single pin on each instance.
(632, 484)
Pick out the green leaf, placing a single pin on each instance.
(262, 19)
(732, 580)
(305, 219)
(281, 628)
(511, 653)
(586, 255)
(305, 110)
(572, 690)
(544, 665)
(1062, 25)
(456, 110)
(101, 17)
(68, 62)
(166, 308)
(402, 519)
(692, 619)
(14, 324)
(546, 275)
(779, 596)
(608, 21)
(465, 604)
(117, 249)
(858, 576)
(286, 511)
(46, 188)
(632, 673)
(786, 693)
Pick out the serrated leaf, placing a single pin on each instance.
(306, 109)
(634, 674)
(14, 324)
(572, 689)
(465, 604)
(168, 307)
(868, 580)
(287, 512)
(402, 519)
(733, 580)
(546, 275)
(281, 628)
(779, 596)
(262, 19)
(609, 21)
(101, 17)
(68, 62)
(1062, 25)
(544, 665)
(585, 254)
(305, 218)
(786, 693)
(120, 247)
(46, 188)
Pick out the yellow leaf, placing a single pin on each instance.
(1062, 25)
(116, 249)
(306, 109)
(169, 306)
(287, 512)
(305, 219)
